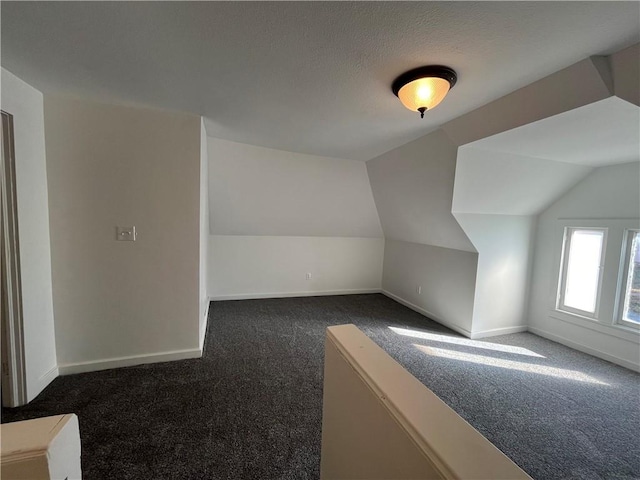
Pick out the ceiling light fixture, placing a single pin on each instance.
(423, 88)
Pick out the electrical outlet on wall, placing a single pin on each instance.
(308, 276)
(419, 289)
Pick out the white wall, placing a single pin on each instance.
(494, 182)
(273, 266)
(495, 197)
(625, 67)
(424, 244)
(119, 303)
(276, 216)
(413, 186)
(379, 422)
(607, 193)
(204, 233)
(261, 191)
(447, 278)
(502, 280)
(26, 105)
(413, 189)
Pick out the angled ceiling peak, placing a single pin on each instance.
(585, 82)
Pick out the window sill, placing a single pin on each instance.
(569, 313)
(615, 330)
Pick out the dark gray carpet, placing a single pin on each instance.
(252, 407)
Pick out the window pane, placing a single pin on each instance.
(631, 312)
(583, 269)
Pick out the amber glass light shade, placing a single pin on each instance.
(424, 93)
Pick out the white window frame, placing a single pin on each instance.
(562, 281)
(623, 278)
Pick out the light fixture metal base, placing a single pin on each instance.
(438, 71)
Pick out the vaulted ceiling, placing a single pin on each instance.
(310, 77)
(602, 133)
(524, 170)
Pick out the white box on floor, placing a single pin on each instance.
(41, 449)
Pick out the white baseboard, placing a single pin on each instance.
(427, 313)
(321, 293)
(499, 331)
(583, 348)
(43, 381)
(203, 326)
(107, 364)
(49, 377)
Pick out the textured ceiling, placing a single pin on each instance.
(311, 77)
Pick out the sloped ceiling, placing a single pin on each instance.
(500, 183)
(412, 186)
(262, 191)
(602, 133)
(523, 170)
(310, 77)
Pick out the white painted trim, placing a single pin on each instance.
(204, 326)
(47, 378)
(107, 364)
(427, 313)
(15, 378)
(566, 249)
(617, 331)
(360, 373)
(499, 331)
(321, 293)
(583, 348)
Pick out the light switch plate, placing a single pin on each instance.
(126, 234)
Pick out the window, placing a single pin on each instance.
(598, 287)
(629, 306)
(581, 274)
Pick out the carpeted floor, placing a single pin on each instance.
(251, 408)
